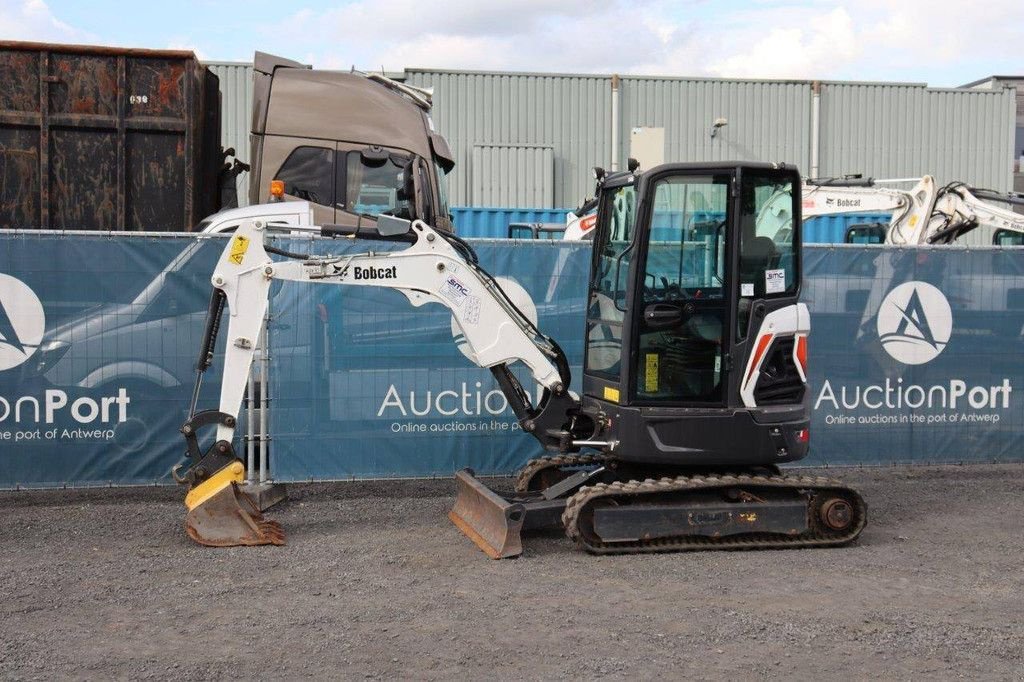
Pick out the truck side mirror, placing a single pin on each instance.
(390, 226)
(374, 156)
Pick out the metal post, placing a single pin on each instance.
(250, 428)
(815, 126)
(615, 121)
(264, 400)
(710, 266)
(261, 490)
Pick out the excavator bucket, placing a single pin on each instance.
(486, 518)
(221, 515)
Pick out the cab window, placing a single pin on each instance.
(767, 255)
(308, 173)
(374, 186)
(612, 254)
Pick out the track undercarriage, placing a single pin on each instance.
(609, 506)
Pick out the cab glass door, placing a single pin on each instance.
(613, 253)
(683, 296)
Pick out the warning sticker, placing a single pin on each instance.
(454, 290)
(651, 372)
(472, 309)
(774, 281)
(611, 394)
(747, 289)
(239, 245)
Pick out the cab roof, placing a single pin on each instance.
(337, 105)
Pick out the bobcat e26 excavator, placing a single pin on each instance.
(694, 377)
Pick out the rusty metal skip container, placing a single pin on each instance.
(104, 138)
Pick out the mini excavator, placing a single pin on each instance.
(694, 377)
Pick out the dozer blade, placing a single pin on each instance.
(486, 518)
(220, 515)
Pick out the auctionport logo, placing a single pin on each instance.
(914, 323)
(22, 322)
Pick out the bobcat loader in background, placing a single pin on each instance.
(925, 214)
(694, 383)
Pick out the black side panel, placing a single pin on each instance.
(703, 438)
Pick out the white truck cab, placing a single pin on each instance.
(295, 217)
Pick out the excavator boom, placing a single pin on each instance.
(433, 268)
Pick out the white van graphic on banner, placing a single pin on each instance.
(22, 322)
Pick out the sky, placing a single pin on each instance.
(944, 43)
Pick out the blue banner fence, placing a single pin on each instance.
(914, 358)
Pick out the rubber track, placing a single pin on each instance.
(814, 537)
(535, 466)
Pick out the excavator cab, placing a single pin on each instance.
(693, 327)
(694, 380)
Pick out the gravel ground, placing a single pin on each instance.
(376, 583)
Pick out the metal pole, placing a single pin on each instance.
(250, 429)
(615, 121)
(815, 126)
(710, 266)
(264, 400)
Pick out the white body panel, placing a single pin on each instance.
(793, 320)
(294, 214)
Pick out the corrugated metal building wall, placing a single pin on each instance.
(513, 173)
(908, 130)
(879, 129)
(883, 130)
(570, 114)
(236, 113)
(768, 121)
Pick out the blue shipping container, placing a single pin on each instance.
(483, 223)
(492, 223)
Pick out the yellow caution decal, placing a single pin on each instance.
(651, 372)
(232, 473)
(611, 394)
(239, 245)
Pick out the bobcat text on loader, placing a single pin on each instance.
(694, 377)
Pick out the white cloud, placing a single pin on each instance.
(537, 35)
(852, 39)
(812, 48)
(32, 20)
